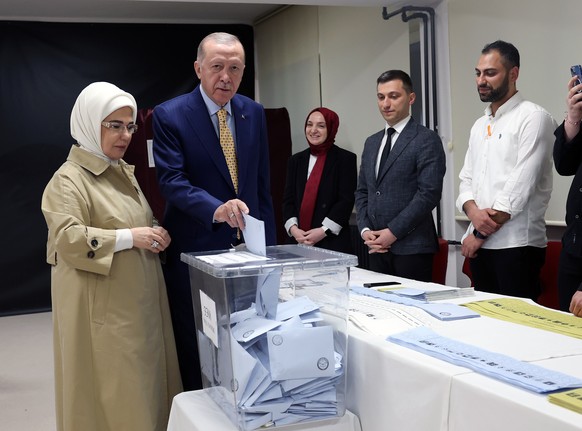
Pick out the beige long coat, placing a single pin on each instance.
(115, 358)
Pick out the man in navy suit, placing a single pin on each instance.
(204, 203)
(400, 183)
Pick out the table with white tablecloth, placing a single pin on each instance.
(391, 387)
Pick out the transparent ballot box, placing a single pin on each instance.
(272, 332)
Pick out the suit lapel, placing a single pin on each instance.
(243, 139)
(375, 143)
(403, 140)
(203, 128)
(330, 161)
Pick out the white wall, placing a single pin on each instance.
(287, 57)
(543, 33)
(354, 45)
(349, 46)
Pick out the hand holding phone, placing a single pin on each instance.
(576, 70)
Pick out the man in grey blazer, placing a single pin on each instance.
(400, 183)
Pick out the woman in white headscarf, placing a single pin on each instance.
(115, 359)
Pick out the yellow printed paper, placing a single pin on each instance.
(572, 400)
(520, 312)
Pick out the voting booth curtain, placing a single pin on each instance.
(44, 66)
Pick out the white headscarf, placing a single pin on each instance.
(92, 106)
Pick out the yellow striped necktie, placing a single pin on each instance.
(227, 144)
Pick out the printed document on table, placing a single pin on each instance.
(384, 318)
(440, 311)
(518, 311)
(501, 367)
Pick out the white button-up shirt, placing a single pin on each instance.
(508, 167)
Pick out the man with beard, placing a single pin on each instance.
(506, 180)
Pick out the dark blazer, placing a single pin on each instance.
(193, 175)
(568, 161)
(408, 188)
(335, 196)
(194, 180)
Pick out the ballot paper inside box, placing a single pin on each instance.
(272, 332)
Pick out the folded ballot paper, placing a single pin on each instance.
(433, 292)
(284, 366)
(498, 366)
(572, 400)
(441, 311)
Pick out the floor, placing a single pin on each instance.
(26, 373)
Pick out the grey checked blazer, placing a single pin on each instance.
(406, 191)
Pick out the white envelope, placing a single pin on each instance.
(243, 365)
(295, 307)
(242, 315)
(271, 393)
(267, 296)
(301, 353)
(254, 234)
(252, 328)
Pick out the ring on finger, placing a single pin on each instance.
(155, 244)
(231, 215)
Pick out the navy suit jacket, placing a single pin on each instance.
(193, 175)
(335, 196)
(406, 191)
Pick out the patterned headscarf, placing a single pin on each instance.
(92, 106)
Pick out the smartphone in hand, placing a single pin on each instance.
(577, 71)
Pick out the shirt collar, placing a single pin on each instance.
(511, 103)
(398, 126)
(212, 107)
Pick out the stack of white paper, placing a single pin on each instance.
(442, 311)
(432, 292)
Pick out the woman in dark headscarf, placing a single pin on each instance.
(116, 366)
(319, 191)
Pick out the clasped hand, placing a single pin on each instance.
(378, 241)
(310, 237)
(487, 221)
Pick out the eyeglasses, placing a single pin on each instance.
(119, 127)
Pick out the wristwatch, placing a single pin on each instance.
(479, 235)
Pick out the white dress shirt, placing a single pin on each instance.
(508, 167)
(398, 127)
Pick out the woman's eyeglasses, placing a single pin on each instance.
(119, 127)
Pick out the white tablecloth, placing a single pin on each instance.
(482, 404)
(391, 387)
(196, 411)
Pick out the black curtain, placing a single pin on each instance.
(43, 67)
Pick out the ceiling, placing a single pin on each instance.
(156, 11)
